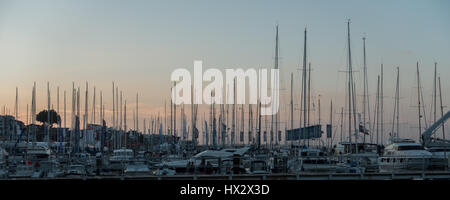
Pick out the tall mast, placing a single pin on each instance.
(354, 111)
(145, 127)
(250, 123)
(28, 131)
(165, 116)
(213, 122)
(137, 112)
(93, 108)
(377, 109)
(366, 104)
(16, 105)
(342, 124)
(114, 107)
(33, 104)
(48, 113)
(381, 106)
(77, 121)
(309, 95)
(233, 119)
(120, 114)
(58, 121)
(418, 100)
(226, 122)
(64, 109)
(33, 109)
(349, 85)
(174, 118)
(27, 115)
(396, 110)
(72, 117)
(117, 108)
(275, 67)
(242, 124)
(277, 116)
(78, 102)
(192, 118)
(125, 122)
(434, 93)
(292, 101)
(319, 108)
(331, 122)
(304, 85)
(171, 119)
(398, 101)
(86, 114)
(223, 124)
(101, 108)
(259, 125)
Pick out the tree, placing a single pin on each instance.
(43, 116)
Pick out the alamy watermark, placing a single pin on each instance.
(189, 90)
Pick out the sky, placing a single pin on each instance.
(137, 44)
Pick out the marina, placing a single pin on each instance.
(236, 130)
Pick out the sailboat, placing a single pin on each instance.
(356, 154)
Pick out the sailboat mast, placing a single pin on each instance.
(125, 122)
(101, 108)
(114, 107)
(33, 104)
(259, 125)
(93, 108)
(165, 116)
(72, 114)
(342, 124)
(86, 114)
(174, 118)
(120, 113)
(365, 88)
(16, 106)
(171, 120)
(381, 106)
(398, 101)
(349, 85)
(233, 118)
(192, 118)
(377, 109)
(304, 86)
(434, 93)
(250, 123)
(242, 124)
(48, 113)
(64, 110)
(137, 112)
(331, 123)
(292, 101)
(418, 100)
(28, 130)
(309, 95)
(396, 106)
(78, 117)
(117, 108)
(277, 116)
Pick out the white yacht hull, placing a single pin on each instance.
(389, 164)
